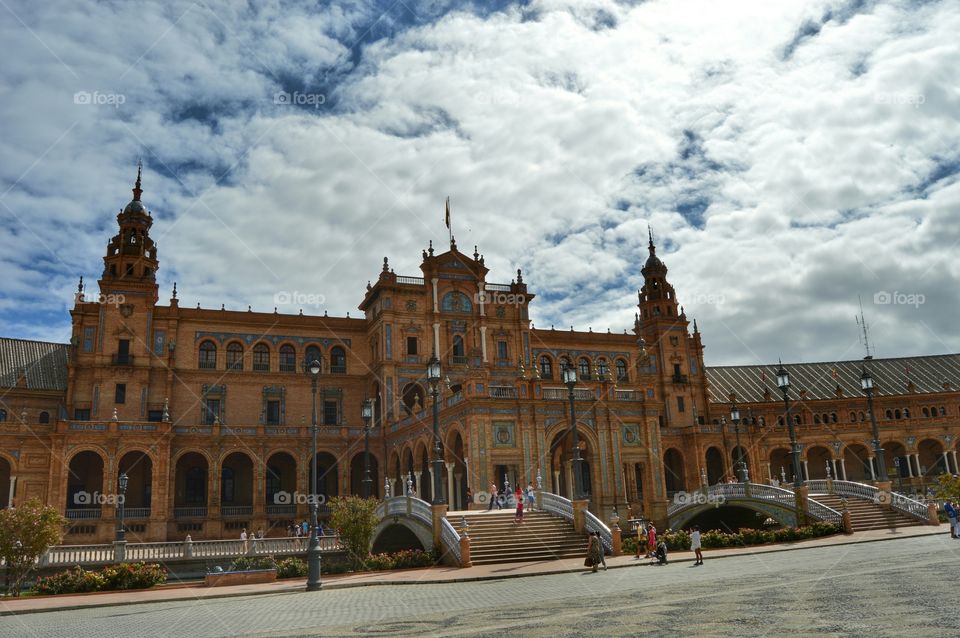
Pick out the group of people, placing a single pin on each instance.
(294, 530)
(656, 549)
(501, 498)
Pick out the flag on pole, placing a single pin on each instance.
(447, 218)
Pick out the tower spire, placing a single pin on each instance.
(651, 246)
(137, 191)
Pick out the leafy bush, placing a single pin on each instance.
(249, 564)
(114, 577)
(25, 534)
(354, 518)
(404, 559)
(291, 568)
(679, 540)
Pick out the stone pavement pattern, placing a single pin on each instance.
(892, 588)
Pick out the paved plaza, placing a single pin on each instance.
(890, 588)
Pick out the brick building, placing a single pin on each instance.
(208, 411)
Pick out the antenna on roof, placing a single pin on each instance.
(862, 323)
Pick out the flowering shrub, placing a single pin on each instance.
(404, 559)
(115, 577)
(680, 539)
(291, 568)
(247, 564)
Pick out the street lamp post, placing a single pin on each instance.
(121, 528)
(741, 466)
(313, 552)
(569, 374)
(866, 384)
(433, 376)
(367, 411)
(783, 382)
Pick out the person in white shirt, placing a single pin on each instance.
(695, 545)
(243, 540)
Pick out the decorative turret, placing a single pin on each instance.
(131, 258)
(656, 298)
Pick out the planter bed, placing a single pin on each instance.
(252, 577)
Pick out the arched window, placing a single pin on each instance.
(943, 411)
(853, 417)
(195, 491)
(906, 413)
(889, 414)
(896, 413)
(208, 355)
(338, 360)
(833, 417)
(261, 358)
(564, 362)
(603, 371)
(797, 420)
(3, 416)
(235, 356)
(456, 302)
(44, 417)
(274, 482)
(584, 365)
(925, 412)
(621, 370)
(459, 350)
(313, 353)
(546, 367)
(288, 358)
(860, 414)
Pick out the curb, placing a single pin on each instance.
(466, 579)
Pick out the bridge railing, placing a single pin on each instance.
(563, 507)
(421, 511)
(904, 504)
(450, 538)
(909, 506)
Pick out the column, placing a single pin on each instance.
(393, 488)
(416, 483)
(871, 461)
(13, 490)
(833, 464)
(483, 299)
(458, 486)
(450, 492)
(956, 468)
(946, 463)
(570, 479)
(436, 338)
(556, 482)
(806, 470)
(909, 458)
(435, 307)
(433, 483)
(466, 468)
(769, 473)
(919, 468)
(843, 468)
(483, 341)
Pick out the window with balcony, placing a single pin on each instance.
(603, 371)
(584, 368)
(88, 337)
(273, 412)
(502, 353)
(208, 356)
(412, 346)
(120, 393)
(79, 414)
(681, 406)
(338, 360)
(211, 412)
(235, 356)
(621, 370)
(288, 359)
(261, 358)
(546, 367)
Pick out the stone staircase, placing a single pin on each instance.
(495, 538)
(866, 515)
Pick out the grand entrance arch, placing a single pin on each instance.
(561, 465)
(673, 471)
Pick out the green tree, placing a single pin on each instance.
(25, 534)
(947, 487)
(354, 518)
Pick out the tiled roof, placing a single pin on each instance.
(44, 363)
(820, 380)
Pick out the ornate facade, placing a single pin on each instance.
(208, 411)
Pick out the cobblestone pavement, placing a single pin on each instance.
(890, 588)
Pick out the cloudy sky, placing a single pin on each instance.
(789, 155)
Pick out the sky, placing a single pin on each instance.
(791, 157)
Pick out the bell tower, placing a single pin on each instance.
(674, 357)
(131, 260)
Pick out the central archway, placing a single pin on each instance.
(561, 465)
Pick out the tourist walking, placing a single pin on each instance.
(518, 518)
(531, 497)
(493, 497)
(651, 540)
(951, 511)
(695, 545)
(641, 539)
(243, 541)
(595, 553)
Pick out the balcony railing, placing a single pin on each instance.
(562, 394)
(503, 392)
(136, 512)
(628, 395)
(458, 360)
(281, 510)
(122, 360)
(338, 369)
(189, 512)
(236, 510)
(680, 378)
(86, 513)
(410, 281)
